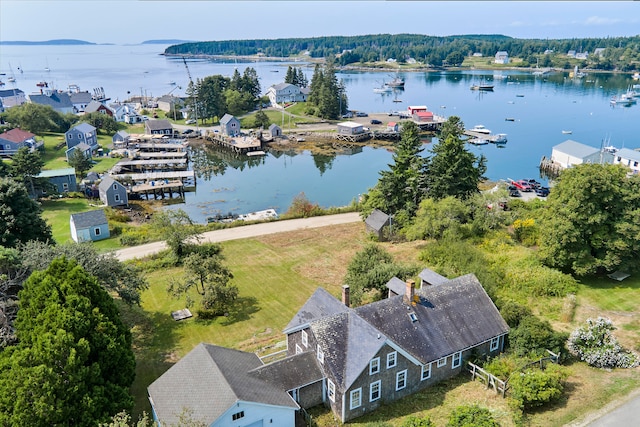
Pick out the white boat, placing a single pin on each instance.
(478, 141)
(567, 132)
(396, 82)
(382, 89)
(481, 129)
(500, 138)
(171, 83)
(575, 74)
(624, 100)
(11, 79)
(636, 76)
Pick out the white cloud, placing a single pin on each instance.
(601, 20)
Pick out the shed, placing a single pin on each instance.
(350, 128)
(63, 180)
(89, 226)
(112, 193)
(275, 131)
(376, 221)
(229, 125)
(423, 116)
(392, 126)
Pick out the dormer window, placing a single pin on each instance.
(413, 317)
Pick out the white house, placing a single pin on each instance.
(502, 57)
(571, 153)
(286, 92)
(629, 158)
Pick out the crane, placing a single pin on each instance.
(193, 92)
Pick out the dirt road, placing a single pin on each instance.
(244, 232)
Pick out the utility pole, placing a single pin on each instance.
(194, 98)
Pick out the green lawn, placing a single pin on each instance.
(609, 294)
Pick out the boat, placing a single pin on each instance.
(636, 76)
(480, 129)
(567, 132)
(519, 96)
(11, 79)
(397, 82)
(482, 86)
(171, 83)
(478, 141)
(625, 99)
(575, 74)
(384, 88)
(510, 119)
(42, 84)
(1, 83)
(500, 138)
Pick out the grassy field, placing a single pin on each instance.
(276, 274)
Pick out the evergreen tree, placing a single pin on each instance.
(73, 364)
(80, 162)
(20, 216)
(453, 170)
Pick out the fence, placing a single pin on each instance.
(489, 379)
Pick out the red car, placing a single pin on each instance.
(522, 185)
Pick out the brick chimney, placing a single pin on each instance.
(410, 289)
(345, 295)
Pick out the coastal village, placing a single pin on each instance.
(351, 359)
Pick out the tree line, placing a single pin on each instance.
(620, 53)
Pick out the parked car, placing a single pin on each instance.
(522, 185)
(361, 114)
(190, 122)
(187, 131)
(542, 191)
(533, 183)
(514, 192)
(376, 122)
(348, 115)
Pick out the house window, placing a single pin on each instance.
(374, 391)
(392, 359)
(356, 398)
(65, 186)
(456, 360)
(237, 415)
(115, 186)
(495, 342)
(374, 366)
(331, 390)
(96, 231)
(305, 339)
(401, 380)
(442, 362)
(298, 349)
(426, 372)
(320, 355)
(635, 164)
(116, 197)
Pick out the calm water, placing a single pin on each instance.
(541, 108)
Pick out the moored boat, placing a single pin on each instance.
(567, 132)
(480, 129)
(397, 82)
(479, 141)
(500, 138)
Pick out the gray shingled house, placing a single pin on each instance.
(376, 221)
(350, 359)
(112, 193)
(158, 127)
(229, 125)
(82, 133)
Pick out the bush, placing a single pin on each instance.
(513, 313)
(536, 387)
(533, 336)
(595, 344)
(471, 416)
(534, 279)
(133, 237)
(502, 366)
(414, 421)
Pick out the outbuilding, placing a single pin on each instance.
(89, 226)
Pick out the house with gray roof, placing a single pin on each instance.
(629, 158)
(112, 193)
(158, 127)
(286, 92)
(80, 100)
(89, 226)
(376, 221)
(571, 153)
(82, 133)
(59, 101)
(12, 97)
(222, 387)
(350, 359)
(61, 180)
(229, 125)
(98, 107)
(120, 139)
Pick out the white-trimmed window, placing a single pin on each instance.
(355, 400)
(401, 380)
(298, 349)
(115, 186)
(305, 339)
(442, 362)
(331, 390)
(426, 372)
(65, 186)
(495, 343)
(392, 359)
(116, 197)
(374, 366)
(320, 354)
(96, 231)
(374, 390)
(237, 415)
(456, 360)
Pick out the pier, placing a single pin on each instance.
(153, 165)
(239, 144)
(159, 189)
(479, 135)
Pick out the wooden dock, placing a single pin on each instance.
(159, 189)
(143, 155)
(239, 144)
(154, 165)
(488, 137)
(155, 147)
(188, 178)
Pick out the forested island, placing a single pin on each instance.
(614, 54)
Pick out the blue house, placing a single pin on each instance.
(229, 125)
(89, 226)
(83, 132)
(63, 180)
(112, 193)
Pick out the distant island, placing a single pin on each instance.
(168, 41)
(45, 42)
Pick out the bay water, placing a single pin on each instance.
(538, 110)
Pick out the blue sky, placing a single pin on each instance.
(134, 21)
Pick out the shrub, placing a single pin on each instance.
(533, 336)
(530, 276)
(513, 313)
(502, 366)
(413, 421)
(536, 387)
(471, 416)
(526, 231)
(595, 344)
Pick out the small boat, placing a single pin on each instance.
(42, 84)
(636, 76)
(171, 83)
(396, 82)
(11, 79)
(1, 83)
(397, 100)
(519, 96)
(480, 129)
(509, 119)
(478, 141)
(486, 87)
(567, 132)
(382, 89)
(575, 74)
(500, 138)
(624, 100)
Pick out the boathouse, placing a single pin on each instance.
(112, 193)
(571, 153)
(350, 128)
(629, 158)
(158, 127)
(229, 125)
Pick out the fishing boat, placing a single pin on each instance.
(384, 88)
(397, 82)
(480, 129)
(42, 84)
(567, 132)
(500, 138)
(482, 86)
